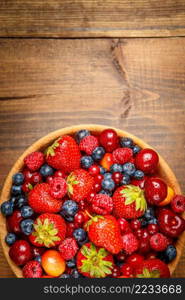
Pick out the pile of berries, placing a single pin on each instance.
(92, 205)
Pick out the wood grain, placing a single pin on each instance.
(89, 18)
(133, 84)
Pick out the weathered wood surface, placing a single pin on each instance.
(89, 18)
(134, 84)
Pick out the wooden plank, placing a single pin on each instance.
(89, 18)
(134, 84)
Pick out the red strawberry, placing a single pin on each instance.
(13, 222)
(80, 184)
(32, 269)
(104, 232)
(68, 248)
(130, 243)
(64, 154)
(147, 161)
(129, 202)
(41, 201)
(122, 155)
(88, 144)
(94, 262)
(34, 160)
(49, 230)
(152, 268)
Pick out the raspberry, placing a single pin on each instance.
(34, 160)
(58, 187)
(178, 204)
(88, 144)
(130, 243)
(68, 248)
(32, 270)
(102, 204)
(122, 155)
(158, 242)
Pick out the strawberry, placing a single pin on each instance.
(88, 144)
(122, 155)
(80, 184)
(32, 269)
(94, 262)
(104, 232)
(34, 160)
(64, 154)
(49, 230)
(41, 201)
(152, 268)
(129, 202)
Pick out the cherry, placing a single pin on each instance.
(155, 190)
(13, 222)
(135, 224)
(124, 225)
(117, 177)
(115, 272)
(37, 251)
(170, 223)
(20, 252)
(135, 260)
(127, 270)
(109, 139)
(152, 228)
(147, 160)
(178, 204)
(98, 178)
(94, 170)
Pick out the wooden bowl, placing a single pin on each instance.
(164, 172)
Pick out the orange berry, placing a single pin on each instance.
(107, 161)
(53, 263)
(169, 197)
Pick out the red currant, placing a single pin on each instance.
(82, 205)
(60, 173)
(36, 178)
(70, 228)
(117, 177)
(115, 272)
(79, 219)
(27, 175)
(153, 228)
(109, 139)
(49, 179)
(127, 270)
(121, 256)
(98, 178)
(144, 246)
(151, 255)
(90, 197)
(124, 225)
(97, 187)
(26, 187)
(139, 233)
(145, 234)
(135, 260)
(94, 170)
(135, 224)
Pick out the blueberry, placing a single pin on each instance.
(138, 174)
(170, 253)
(119, 264)
(7, 208)
(79, 135)
(106, 193)
(66, 217)
(46, 170)
(107, 176)
(21, 201)
(116, 168)
(69, 208)
(18, 179)
(126, 142)
(38, 258)
(75, 273)
(27, 226)
(108, 184)
(102, 170)
(98, 153)
(136, 149)
(71, 263)
(153, 221)
(149, 213)
(64, 275)
(144, 222)
(10, 238)
(13, 200)
(16, 190)
(26, 211)
(79, 234)
(129, 169)
(125, 180)
(86, 161)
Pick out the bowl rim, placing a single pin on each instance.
(43, 142)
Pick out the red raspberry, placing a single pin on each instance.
(122, 155)
(127, 270)
(178, 204)
(34, 160)
(88, 144)
(102, 204)
(158, 242)
(68, 248)
(124, 226)
(58, 187)
(130, 243)
(32, 269)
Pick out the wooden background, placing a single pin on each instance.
(49, 80)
